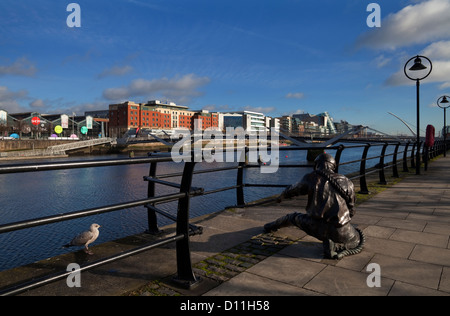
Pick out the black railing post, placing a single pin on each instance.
(432, 152)
(362, 172)
(338, 156)
(444, 147)
(418, 157)
(426, 156)
(394, 161)
(185, 275)
(405, 158)
(438, 150)
(413, 157)
(151, 214)
(381, 165)
(240, 199)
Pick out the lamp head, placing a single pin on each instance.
(444, 100)
(418, 65)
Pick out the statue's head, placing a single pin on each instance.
(325, 162)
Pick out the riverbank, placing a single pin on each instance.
(38, 150)
(29, 144)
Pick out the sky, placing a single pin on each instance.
(277, 57)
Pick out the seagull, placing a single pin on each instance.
(85, 239)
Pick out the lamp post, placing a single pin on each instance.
(444, 104)
(419, 68)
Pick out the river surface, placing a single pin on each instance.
(27, 196)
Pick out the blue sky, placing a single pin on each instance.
(278, 57)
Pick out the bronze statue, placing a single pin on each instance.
(330, 208)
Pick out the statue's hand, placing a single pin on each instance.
(281, 197)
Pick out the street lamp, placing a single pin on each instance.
(444, 104)
(422, 72)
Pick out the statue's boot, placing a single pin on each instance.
(329, 249)
(353, 245)
(284, 221)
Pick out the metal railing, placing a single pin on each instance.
(185, 275)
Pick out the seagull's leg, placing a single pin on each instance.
(86, 250)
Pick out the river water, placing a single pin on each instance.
(32, 195)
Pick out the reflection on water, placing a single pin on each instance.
(31, 195)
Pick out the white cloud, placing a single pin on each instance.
(80, 109)
(6, 94)
(295, 95)
(415, 24)
(290, 113)
(217, 108)
(38, 103)
(115, 71)
(9, 100)
(439, 54)
(178, 89)
(21, 67)
(260, 109)
(440, 72)
(60, 105)
(382, 61)
(438, 50)
(444, 85)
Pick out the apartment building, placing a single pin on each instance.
(155, 115)
(302, 124)
(250, 121)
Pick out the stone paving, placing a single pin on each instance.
(407, 228)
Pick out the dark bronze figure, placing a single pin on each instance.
(330, 208)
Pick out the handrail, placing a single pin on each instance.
(19, 168)
(89, 212)
(185, 276)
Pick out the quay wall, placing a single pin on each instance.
(12, 145)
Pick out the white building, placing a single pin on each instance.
(250, 121)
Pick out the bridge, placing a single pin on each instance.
(61, 149)
(358, 135)
(56, 150)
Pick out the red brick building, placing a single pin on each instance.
(155, 115)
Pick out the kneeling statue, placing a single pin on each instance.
(330, 208)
